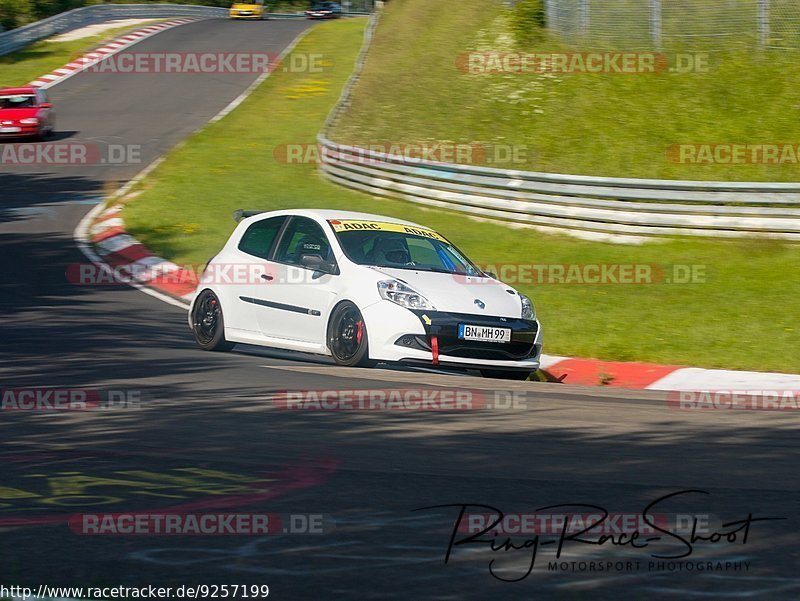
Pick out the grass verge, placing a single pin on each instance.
(40, 58)
(739, 314)
(607, 124)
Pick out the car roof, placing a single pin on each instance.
(24, 90)
(325, 214)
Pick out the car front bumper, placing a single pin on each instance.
(400, 335)
(24, 131)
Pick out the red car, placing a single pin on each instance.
(25, 112)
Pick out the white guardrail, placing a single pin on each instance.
(589, 206)
(100, 13)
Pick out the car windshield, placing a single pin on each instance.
(324, 6)
(423, 251)
(17, 101)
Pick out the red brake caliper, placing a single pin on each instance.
(360, 331)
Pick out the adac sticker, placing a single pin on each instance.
(350, 225)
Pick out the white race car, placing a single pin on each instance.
(363, 289)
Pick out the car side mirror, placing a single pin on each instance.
(490, 274)
(317, 263)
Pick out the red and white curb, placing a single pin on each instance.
(133, 262)
(102, 53)
(650, 376)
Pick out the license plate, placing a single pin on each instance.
(483, 333)
(10, 130)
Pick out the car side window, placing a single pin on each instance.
(303, 236)
(259, 237)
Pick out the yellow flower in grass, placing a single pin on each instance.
(312, 87)
(178, 228)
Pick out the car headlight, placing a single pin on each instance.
(403, 295)
(29, 121)
(528, 312)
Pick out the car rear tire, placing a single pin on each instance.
(208, 323)
(505, 375)
(347, 337)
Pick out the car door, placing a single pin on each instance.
(297, 305)
(246, 275)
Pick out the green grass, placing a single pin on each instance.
(742, 317)
(594, 124)
(40, 58)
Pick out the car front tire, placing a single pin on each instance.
(208, 323)
(347, 337)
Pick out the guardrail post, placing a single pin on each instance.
(549, 14)
(584, 17)
(763, 23)
(655, 23)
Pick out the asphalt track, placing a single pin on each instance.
(208, 438)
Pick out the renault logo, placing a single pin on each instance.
(480, 303)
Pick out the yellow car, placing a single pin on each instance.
(251, 9)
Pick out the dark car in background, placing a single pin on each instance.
(325, 10)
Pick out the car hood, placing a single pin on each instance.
(458, 293)
(17, 114)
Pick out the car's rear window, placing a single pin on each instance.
(258, 238)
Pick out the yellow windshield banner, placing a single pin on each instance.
(352, 225)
